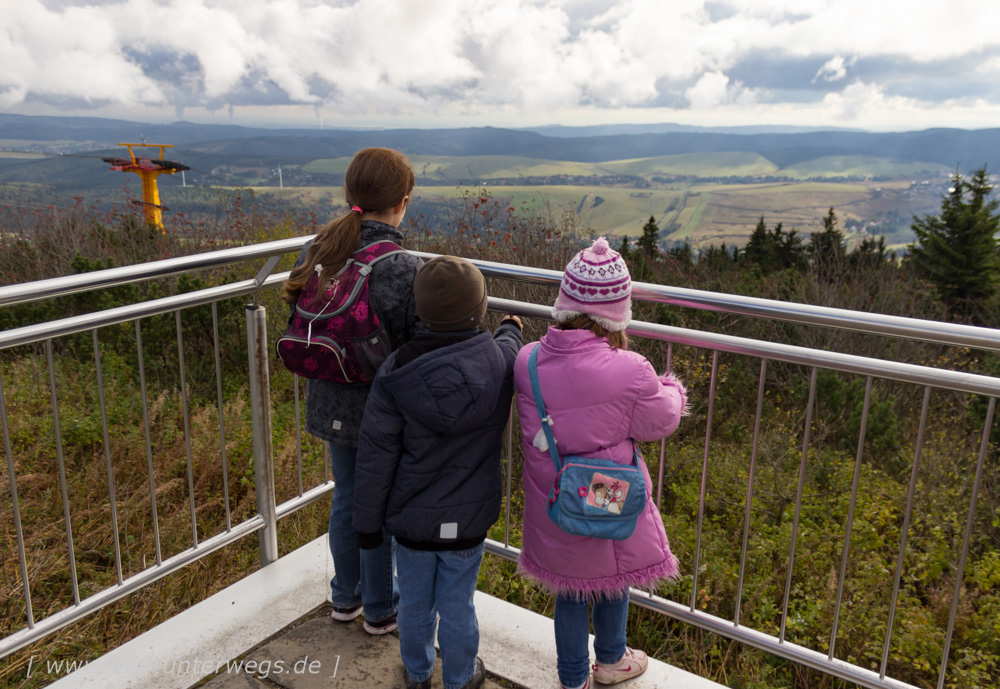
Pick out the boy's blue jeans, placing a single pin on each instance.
(364, 577)
(438, 583)
(572, 623)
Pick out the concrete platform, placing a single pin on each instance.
(322, 654)
(272, 629)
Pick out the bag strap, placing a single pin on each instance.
(388, 247)
(536, 392)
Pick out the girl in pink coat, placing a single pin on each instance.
(600, 397)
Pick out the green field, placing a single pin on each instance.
(478, 168)
(700, 213)
(19, 154)
(859, 166)
(695, 165)
(706, 213)
(605, 210)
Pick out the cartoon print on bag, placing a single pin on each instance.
(600, 493)
(607, 493)
(616, 497)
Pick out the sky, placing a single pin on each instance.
(881, 65)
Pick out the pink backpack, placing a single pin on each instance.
(337, 335)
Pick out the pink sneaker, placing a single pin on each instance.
(632, 664)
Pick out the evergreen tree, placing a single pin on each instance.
(775, 249)
(791, 251)
(623, 249)
(826, 249)
(957, 249)
(649, 242)
(869, 255)
(718, 257)
(761, 249)
(682, 254)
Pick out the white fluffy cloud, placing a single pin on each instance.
(833, 69)
(394, 60)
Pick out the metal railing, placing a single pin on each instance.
(259, 363)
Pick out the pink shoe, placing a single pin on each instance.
(586, 685)
(632, 664)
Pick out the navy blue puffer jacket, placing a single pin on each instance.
(429, 451)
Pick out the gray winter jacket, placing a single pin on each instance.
(333, 411)
(428, 466)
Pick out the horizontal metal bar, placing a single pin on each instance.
(848, 363)
(807, 314)
(717, 625)
(298, 502)
(144, 578)
(100, 319)
(874, 323)
(765, 642)
(112, 277)
(507, 552)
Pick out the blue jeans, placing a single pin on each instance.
(439, 583)
(572, 623)
(365, 577)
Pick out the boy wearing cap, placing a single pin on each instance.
(428, 466)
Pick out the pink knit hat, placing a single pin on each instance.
(597, 283)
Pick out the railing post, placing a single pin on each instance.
(263, 453)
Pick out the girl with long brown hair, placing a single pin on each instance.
(377, 187)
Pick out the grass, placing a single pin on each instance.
(723, 212)
(19, 156)
(606, 210)
(735, 164)
(469, 169)
(935, 530)
(455, 169)
(861, 166)
(693, 216)
(32, 437)
(708, 213)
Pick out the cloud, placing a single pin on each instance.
(711, 90)
(855, 100)
(366, 59)
(833, 69)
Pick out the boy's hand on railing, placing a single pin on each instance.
(511, 318)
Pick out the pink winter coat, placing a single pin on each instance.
(599, 398)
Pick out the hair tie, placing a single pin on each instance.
(357, 209)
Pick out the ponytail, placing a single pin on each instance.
(333, 245)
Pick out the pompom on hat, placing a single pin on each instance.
(596, 283)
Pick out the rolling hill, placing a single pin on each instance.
(702, 185)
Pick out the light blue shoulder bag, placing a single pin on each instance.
(598, 498)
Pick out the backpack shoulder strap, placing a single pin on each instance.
(372, 253)
(536, 393)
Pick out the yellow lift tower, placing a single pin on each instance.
(148, 169)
